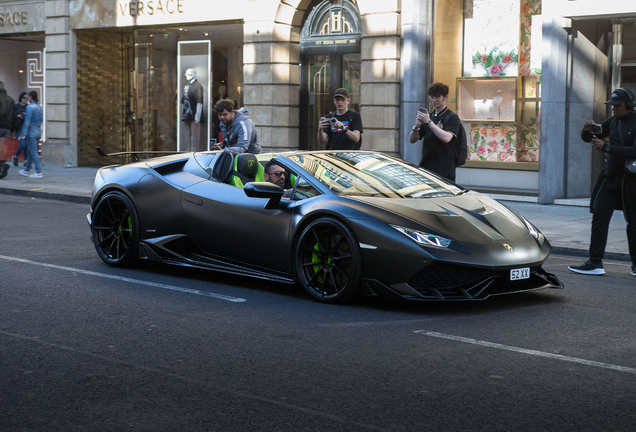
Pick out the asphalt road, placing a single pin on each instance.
(86, 347)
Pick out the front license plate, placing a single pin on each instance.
(522, 273)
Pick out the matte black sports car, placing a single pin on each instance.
(345, 224)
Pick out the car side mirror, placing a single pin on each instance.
(265, 190)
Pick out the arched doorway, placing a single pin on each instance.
(330, 59)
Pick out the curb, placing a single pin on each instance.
(584, 253)
(57, 196)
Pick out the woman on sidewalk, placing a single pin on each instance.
(32, 131)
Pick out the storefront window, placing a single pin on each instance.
(498, 94)
(135, 86)
(21, 70)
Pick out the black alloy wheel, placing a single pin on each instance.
(115, 230)
(328, 261)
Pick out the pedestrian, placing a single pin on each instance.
(439, 132)
(615, 189)
(341, 129)
(18, 121)
(7, 108)
(32, 131)
(239, 131)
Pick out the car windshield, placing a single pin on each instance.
(374, 174)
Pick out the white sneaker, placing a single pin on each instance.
(24, 173)
(36, 175)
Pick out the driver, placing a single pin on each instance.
(277, 175)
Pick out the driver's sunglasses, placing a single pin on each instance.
(278, 173)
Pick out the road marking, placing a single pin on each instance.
(125, 279)
(527, 351)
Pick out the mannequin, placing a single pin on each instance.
(190, 116)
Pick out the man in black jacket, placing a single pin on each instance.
(615, 189)
(7, 106)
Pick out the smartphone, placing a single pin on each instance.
(597, 129)
(422, 109)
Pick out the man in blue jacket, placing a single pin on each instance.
(239, 131)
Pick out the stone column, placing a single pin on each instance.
(380, 75)
(59, 149)
(271, 73)
(554, 109)
(415, 68)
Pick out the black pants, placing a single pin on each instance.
(629, 204)
(605, 201)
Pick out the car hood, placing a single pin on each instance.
(470, 217)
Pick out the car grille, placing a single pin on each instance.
(449, 281)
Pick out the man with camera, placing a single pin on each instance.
(615, 188)
(438, 131)
(342, 128)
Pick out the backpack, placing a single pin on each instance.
(461, 146)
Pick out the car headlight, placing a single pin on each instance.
(534, 232)
(423, 238)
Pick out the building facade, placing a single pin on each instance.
(144, 75)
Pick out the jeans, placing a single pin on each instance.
(32, 151)
(22, 148)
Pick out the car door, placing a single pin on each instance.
(225, 222)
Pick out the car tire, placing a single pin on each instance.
(327, 261)
(115, 229)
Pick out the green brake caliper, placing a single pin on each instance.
(315, 257)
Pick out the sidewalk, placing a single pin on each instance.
(566, 225)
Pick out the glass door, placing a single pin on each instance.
(152, 115)
(330, 59)
(322, 74)
(319, 90)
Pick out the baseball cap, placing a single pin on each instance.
(619, 96)
(341, 92)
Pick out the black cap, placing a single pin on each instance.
(341, 92)
(619, 96)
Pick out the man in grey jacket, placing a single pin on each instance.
(239, 132)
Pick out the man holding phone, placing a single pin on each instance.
(614, 189)
(439, 130)
(342, 129)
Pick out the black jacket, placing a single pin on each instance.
(7, 108)
(622, 145)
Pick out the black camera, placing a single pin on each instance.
(597, 129)
(332, 121)
(423, 110)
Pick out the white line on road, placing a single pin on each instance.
(527, 351)
(125, 279)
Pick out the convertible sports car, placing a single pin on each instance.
(346, 223)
